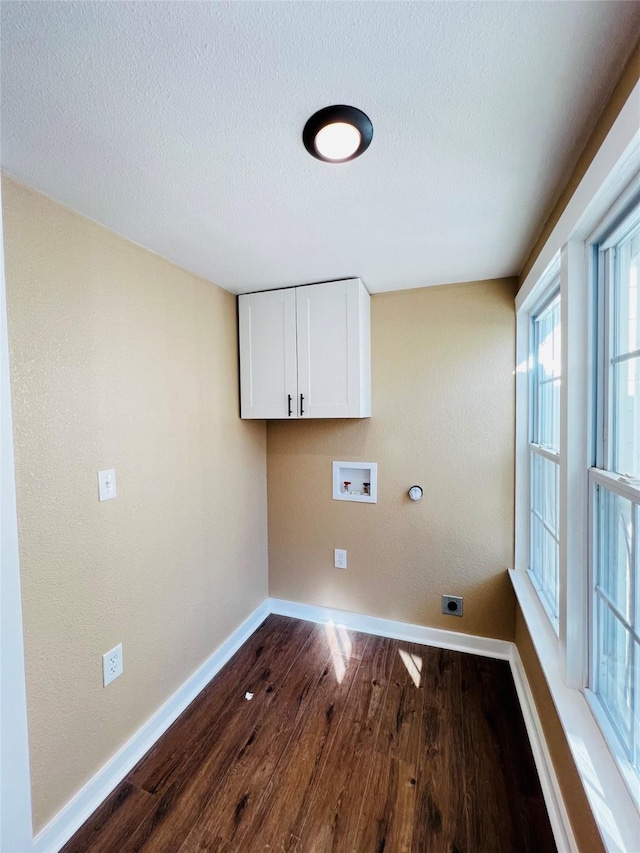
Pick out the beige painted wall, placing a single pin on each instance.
(443, 417)
(120, 359)
(575, 799)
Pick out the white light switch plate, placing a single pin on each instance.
(107, 485)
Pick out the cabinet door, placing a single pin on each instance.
(267, 329)
(333, 350)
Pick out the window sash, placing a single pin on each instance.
(618, 654)
(614, 512)
(543, 558)
(616, 363)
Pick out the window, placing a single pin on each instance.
(615, 494)
(577, 504)
(544, 447)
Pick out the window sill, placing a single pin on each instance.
(553, 620)
(614, 811)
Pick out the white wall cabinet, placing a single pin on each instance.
(305, 352)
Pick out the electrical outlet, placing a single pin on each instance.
(452, 605)
(112, 665)
(340, 558)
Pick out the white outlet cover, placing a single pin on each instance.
(107, 485)
(340, 558)
(112, 666)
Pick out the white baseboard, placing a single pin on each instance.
(78, 809)
(71, 817)
(485, 646)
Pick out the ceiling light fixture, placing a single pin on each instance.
(337, 134)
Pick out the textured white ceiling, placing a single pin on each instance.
(178, 125)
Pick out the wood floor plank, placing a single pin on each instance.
(187, 742)
(497, 740)
(234, 805)
(279, 819)
(111, 825)
(202, 771)
(155, 766)
(469, 756)
(399, 735)
(490, 828)
(331, 820)
(387, 819)
(440, 820)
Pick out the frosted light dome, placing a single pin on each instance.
(337, 141)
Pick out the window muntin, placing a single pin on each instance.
(615, 505)
(544, 446)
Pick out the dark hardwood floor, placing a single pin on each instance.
(350, 743)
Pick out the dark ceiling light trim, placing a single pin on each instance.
(348, 125)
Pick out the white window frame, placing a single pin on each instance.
(612, 179)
